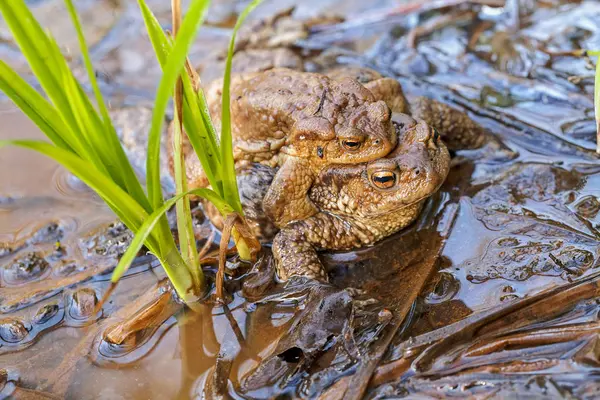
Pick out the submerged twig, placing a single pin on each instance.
(206, 247)
(100, 304)
(437, 23)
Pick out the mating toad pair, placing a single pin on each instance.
(332, 161)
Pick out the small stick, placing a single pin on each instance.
(227, 227)
(204, 250)
(562, 265)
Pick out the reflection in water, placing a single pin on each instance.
(492, 292)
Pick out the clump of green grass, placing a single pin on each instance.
(84, 139)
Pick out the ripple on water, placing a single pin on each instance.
(444, 289)
(69, 185)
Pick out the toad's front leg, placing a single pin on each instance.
(287, 198)
(295, 246)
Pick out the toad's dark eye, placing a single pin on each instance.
(351, 144)
(383, 179)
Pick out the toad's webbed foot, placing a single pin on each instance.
(295, 256)
(387, 89)
(295, 246)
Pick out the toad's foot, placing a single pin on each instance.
(295, 246)
(458, 131)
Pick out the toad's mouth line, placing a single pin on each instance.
(378, 214)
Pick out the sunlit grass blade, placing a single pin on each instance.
(229, 181)
(33, 105)
(86, 125)
(118, 157)
(37, 49)
(150, 223)
(173, 67)
(200, 133)
(49, 66)
(185, 228)
(157, 36)
(88, 63)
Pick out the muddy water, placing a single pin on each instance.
(491, 293)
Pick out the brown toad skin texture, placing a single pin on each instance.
(457, 130)
(353, 211)
(300, 122)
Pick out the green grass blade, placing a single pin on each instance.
(173, 67)
(87, 62)
(198, 132)
(158, 38)
(122, 167)
(150, 223)
(229, 182)
(37, 49)
(185, 228)
(33, 105)
(49, 66)
(86, 126)
(597, 103)
(206, 133)
(201, 135)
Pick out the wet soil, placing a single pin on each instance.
(492, 293)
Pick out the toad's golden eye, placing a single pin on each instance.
(383, 179)
(351, 144)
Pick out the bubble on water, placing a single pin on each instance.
(45, 314)
(82, 305)
(13, 330)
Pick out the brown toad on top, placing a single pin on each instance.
(300, 122)
(304, 121)
(358, 204)
(458, 131)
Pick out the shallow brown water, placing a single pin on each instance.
(492, 293)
